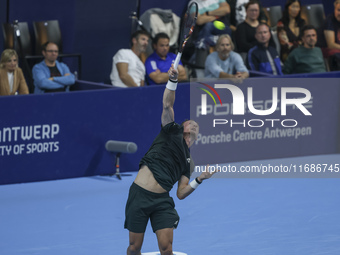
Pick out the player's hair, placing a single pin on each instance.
(6, 56)
(219, 40)
(182, 124)
(137, 33)
(160, 36)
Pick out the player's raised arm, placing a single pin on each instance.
(168, 114)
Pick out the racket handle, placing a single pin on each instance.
(178, 58)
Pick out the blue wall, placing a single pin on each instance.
(96, 29)
(74, 128)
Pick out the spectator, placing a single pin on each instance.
(159, 62)
(263, 57)
(238, 13)
(306, 58)
(127, 69)
(289, 26)
(208, 12)
(245, 32)
(224, 62)
(12, 80)
(332, 36)
(50, 75)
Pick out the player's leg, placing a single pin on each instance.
(136, 219)
(165, 238)
(164, 220)
(135, 243)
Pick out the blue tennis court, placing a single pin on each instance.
(239, 216)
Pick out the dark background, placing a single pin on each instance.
(97, 29)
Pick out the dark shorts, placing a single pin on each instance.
(143, 205)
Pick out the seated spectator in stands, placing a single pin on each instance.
(159, 62)
(263, 57)
(289, 26)
(50, 75)
(306, 58)
(238, 13)
(224, 62)
(127, 69)
(332, 36)
(208, 12)
(245, 32)
(12, 80)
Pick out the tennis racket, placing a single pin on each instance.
(188, 25)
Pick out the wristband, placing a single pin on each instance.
(171, 85)
(194, 184)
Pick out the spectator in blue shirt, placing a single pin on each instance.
(159, 62)
(224, 62)
(50, 75)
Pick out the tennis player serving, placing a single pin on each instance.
(166, 162)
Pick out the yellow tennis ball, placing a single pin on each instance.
(219, 25)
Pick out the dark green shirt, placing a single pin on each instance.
(303, 60)
(168, 157)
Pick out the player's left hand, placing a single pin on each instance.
(207, 174)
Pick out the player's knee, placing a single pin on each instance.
(166, 249)
(134, 249)
(168, 252)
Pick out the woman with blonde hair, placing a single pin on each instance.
(12, 79)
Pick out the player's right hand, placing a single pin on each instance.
(173, 73)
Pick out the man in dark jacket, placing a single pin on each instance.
(263, 57)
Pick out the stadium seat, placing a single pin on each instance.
(152, 21)
(17, 37)
(20, 41)
(314, 14)
(47, 31)
(273, 13)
